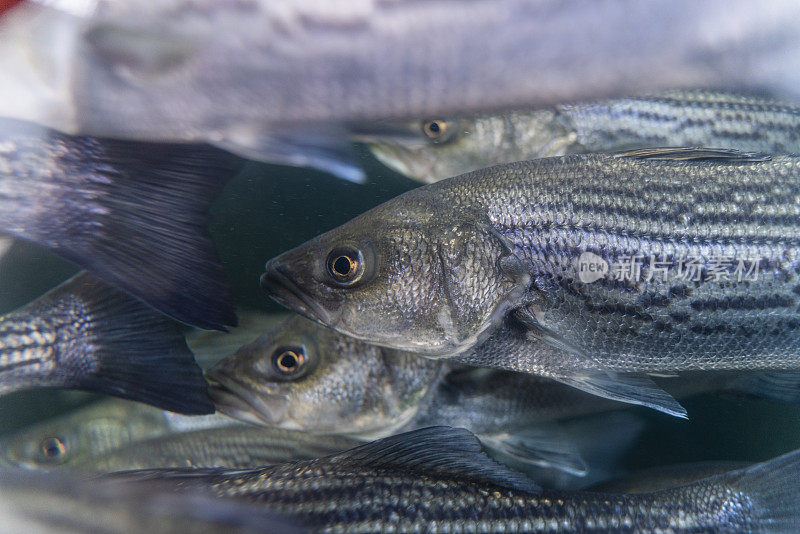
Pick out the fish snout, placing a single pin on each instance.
(280, 283)
(237, 400)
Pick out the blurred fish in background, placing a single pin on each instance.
(38, 503)
(434, 149)
(133, 214)
(301, 76)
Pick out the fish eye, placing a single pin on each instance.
(53, 448)
(345, 266)
(289, 360)
(437, 131)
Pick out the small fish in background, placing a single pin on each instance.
(96, 431)
(301, 75)
(133, 214)
(50, 503)
(89, 336)
(378, 485)
(435, 149)
(232, 445)
(523, 267)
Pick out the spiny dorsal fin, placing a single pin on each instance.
(442, 449)
(694, 154)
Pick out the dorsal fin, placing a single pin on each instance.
(440, 449)
(694, 154)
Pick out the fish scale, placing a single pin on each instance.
(439, 480)
(585, 210)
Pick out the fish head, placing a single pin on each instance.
(427, 150)
(303, 376)
(77, 437)
(434, 149)
(412, 274)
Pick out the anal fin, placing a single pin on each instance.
(546, 446)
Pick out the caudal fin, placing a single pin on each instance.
(133, 214)
(135, 352)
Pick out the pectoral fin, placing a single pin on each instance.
(325, 149)
(523, 344)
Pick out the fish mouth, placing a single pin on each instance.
(236, 400)
(278, 284)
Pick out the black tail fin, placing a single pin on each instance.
(134, 214)
(768, 491)
(135, 352)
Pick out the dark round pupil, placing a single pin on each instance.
(343, 266)
(288, 361)
(52, 448)
(434, 127)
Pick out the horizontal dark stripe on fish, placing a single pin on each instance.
(740, 302)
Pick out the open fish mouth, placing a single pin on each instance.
(237, 401)
(277, 283)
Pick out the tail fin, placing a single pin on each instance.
(140, 354)
(134, 214)
(769, 493)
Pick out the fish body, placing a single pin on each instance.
(342, 386)
(439, 480)
(133, 214)
(554, 267)
(299, 74)
(233, 446)
(89, 336)
(675, 118)
(667, 476)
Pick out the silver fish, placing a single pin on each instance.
(439, 480)
(133, 214)
(304, 376)
(96, 431)
(88, 336)
(434, 149)
(229, 446)
(523, 267)
(299, 73)
(301, 375)
(39, 503)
